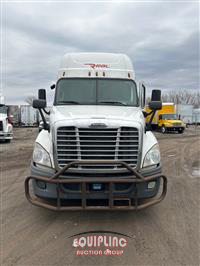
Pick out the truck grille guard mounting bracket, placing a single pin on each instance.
(134, 178)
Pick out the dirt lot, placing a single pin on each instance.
(166, 234)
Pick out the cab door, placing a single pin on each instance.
(160, 121)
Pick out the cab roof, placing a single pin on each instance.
(107, 65)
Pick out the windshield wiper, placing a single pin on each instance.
(68, 102)
(114, 102)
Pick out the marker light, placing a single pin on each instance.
(151, 185)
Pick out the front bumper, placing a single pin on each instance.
(175, 128)
(135, 196)
(6, 135)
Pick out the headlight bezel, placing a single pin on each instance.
(148, 161)
(45, 160)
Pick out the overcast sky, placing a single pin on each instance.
(162, 39)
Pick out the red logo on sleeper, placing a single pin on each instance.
(97, 65)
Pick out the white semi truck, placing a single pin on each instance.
(6, 128)
(96, 152)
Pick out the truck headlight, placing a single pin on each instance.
(41, 156)
(9, 128)
(152, 157)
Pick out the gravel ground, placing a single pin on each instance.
(165, 234)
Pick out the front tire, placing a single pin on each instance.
(163, 129)
(180, 131)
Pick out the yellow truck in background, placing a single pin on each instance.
(166, 119)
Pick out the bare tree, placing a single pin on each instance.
(182, 97)
(30, 99)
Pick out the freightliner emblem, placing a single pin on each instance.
(95, 125)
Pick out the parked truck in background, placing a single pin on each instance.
(14, 113)
(166, 119)
(96, 152)
(6, 128)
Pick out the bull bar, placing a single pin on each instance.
(134, 178)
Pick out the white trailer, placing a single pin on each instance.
(196, 116)
(185, 113)
(28, 116)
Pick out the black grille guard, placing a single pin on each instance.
(134, 178)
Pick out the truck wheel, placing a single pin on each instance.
(163, 129)
(180, 131)
(7, 140)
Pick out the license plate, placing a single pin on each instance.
(96, 186)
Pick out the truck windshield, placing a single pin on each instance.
(96, 92)
(169, 117)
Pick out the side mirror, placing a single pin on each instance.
(156, 95)
(39, 104)
(42, 94)
(155, 105)
(160, 117)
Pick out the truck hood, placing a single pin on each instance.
(60, 113)
(173, 121)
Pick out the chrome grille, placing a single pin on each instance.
(97, 144)
(177, 124)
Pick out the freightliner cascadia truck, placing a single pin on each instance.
(96, 151)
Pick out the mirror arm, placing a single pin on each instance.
(46, 126)
(148, 126)
(146, 114)
(46, 112)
